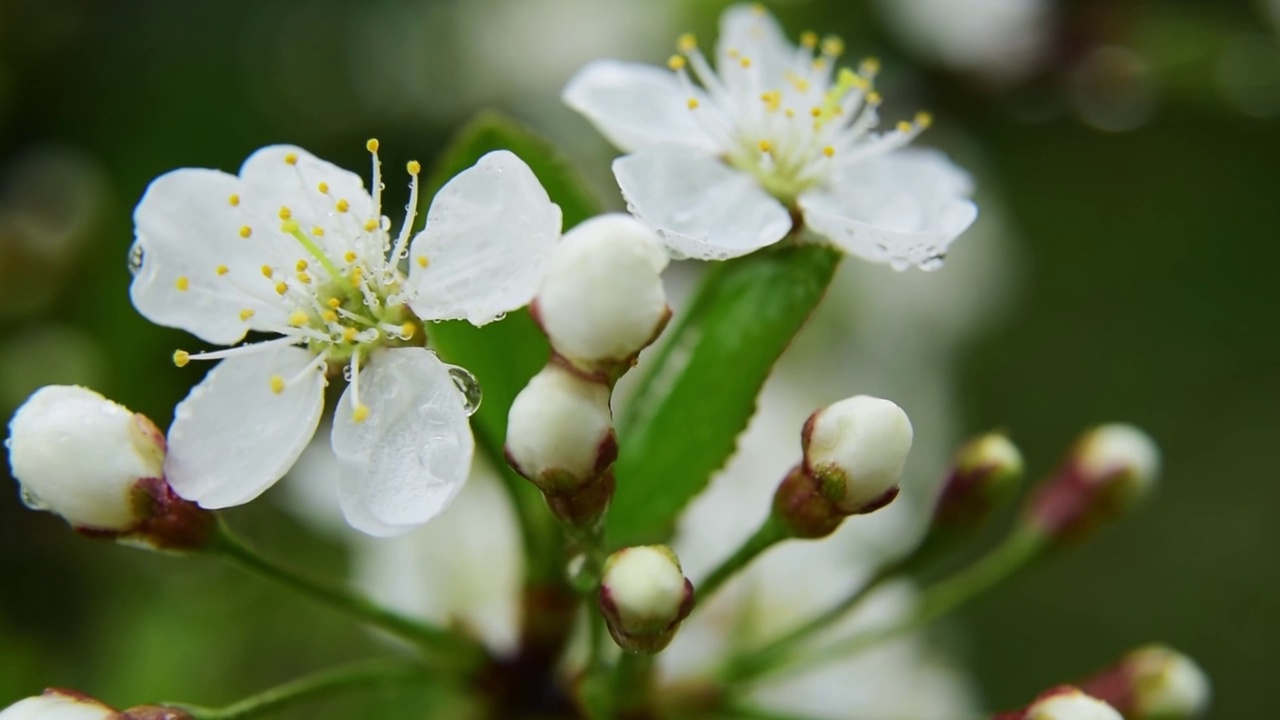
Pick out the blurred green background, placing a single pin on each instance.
(1134, 151)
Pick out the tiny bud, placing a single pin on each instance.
(100, 467)
(560, 430)
(984, 472)
(1107, 471)
(1153, 683)
(1064, 703)
(856, 449)
(602, 300)
(57, 704)
(644, 596)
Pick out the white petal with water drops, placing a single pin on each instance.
(234, 436)
(489, 233)
(637, 106)
(703, 208)
(409, 457)
(903, 208)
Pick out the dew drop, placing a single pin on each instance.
(469, 387)
(32, 501)
(347, 373)
(933, 263)
(136, 256)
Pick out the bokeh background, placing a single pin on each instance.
(1127, 150)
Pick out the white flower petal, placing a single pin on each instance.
(189, 233)
(637, 106)
(703, 208)
(233, 437)
(407, 460)
(489, 233)
(904, 208)
(751, 32)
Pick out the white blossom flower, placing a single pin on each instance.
(296, 247)
(776, 132)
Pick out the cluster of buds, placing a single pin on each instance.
(1153, 683)
(600, 304)
(1106, 472)
(55, 704)
(644, 596)
(1064, 703)
(101, 468)
(854, 452)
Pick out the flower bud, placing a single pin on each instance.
(602, 299)
(58, 705)
(100, 467)
(1107, 471)
(984, 473)
(1153, 683)
(1064, 703)
(856, 449)
(644, 596)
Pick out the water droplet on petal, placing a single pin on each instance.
(900, 264)
(31, 500)
(933, 263)
(136, 256)
(469, 387)
(347, 373)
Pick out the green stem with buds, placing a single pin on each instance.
(772, 532)
(448, 649)
(356, 676)
(1020, 548)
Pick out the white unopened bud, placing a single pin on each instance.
(1122, 453)
(644, 596)
(856, 449)
(1070, 704)
(1167, 685)
(58, 705)
(79, 455)
(602, 299)
(560, 430)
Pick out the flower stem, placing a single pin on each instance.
(770, 533)
(448, 649)
(633, 685)
(356, 676)
(1020, 548)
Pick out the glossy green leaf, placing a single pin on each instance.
(699, 395)
(505, 354)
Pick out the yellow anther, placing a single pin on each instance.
(302, 265)
(790, 113)
(317, 231)
(285, 213)
(873, 98)
(687, 43)
(298, 318)
(343, 205)
(183, 283)
(733, 53)
(361, 413)
(277, 384)
(289, 226)
(815, 111)
(924, 119)
(372, 145)
(304, 278)
(234, 200)
(904, 126)
(692, 103)
(676, 62)
(757, 9)
(408, 330)
(291, 159)
(329, 316)
(323, 187)
(334, 303)
(809, 39)
(349, 334)
(357, 274)
(414, 167)
(349, 256)
(245, 231)
(745, 62)
(765, 146)
(799, 83)
(370, 225)
(828, 151)
(870, 66)
(246, 313)
(282, 287)
(423, 261)
(832, 46)
(222, 270)
(267, 272)
(181, 358)
(819, 64)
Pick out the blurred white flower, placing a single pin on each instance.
(721, 167)
(1001, 40)
(296, 247)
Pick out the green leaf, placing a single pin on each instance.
(504, 355)
(701, 392)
